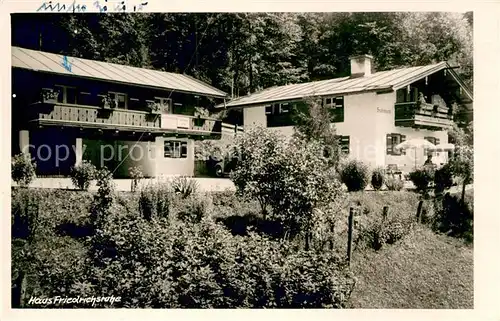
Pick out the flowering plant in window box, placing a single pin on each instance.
(48, 95)
(108, 102)
(155, 108)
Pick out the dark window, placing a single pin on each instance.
(121, 99)
(432, 140)
(70, 95)
(175, 149)
(67, 95)
(60, 96)
(335, 107)
(279, 115)
(392, 140)
(344, 142)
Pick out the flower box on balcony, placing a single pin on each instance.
(108, 103)
(155, 108)
(49, 96)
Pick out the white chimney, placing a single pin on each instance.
(361, 66)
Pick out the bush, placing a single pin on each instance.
(376, 233)
(455, 217)
(184, 186)
(155, 200)
(25, 211)
(421, 178)
(394, 184)
(354, 175)
(290, 176)
(82, 175)
(183, 265)
(443, 178)
(23, 169)
(136, 175)
(378, 177)
(194, 208)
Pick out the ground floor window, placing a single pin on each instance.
(392, 140)
(175, 149)
(344, 142)
(432, 140)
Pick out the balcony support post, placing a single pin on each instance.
(24, 142)
(78, 151)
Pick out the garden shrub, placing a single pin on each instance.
(394, 184)
(290, 176)
(155, 200)
(378, 177)
(194, 208)
(25, 211)
(136, 175)
(82, 175)
(443, 178)
(421, 178)
(23, 169)
(184, 186)
(183, 265)
(354, 175)
(455, 217)
(374, 230)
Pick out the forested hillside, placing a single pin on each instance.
(244, 52)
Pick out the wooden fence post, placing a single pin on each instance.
(419, 210)
(332, 236)
(349, 236)
(384, 212)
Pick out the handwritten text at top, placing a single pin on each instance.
(119, 6)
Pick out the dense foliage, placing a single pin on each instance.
(355, 175)
(394, 184)
(378, 178)
(23, 169)
(185, 260)
(83, 174)
(422, 178)
(291, 176)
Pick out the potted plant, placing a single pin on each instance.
(48, 95)
(108, 102)
(155, 108)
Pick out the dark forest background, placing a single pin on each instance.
(244, 52)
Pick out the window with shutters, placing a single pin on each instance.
(335, 107)
(344, 143)
(175, 149)
(392, 140)
(432, 140)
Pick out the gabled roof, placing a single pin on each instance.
(378, 81)
(98, 70)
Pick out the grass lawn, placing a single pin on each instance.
(424, 271)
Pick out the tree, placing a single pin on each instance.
(313, 123)
(290, 176)
(462, 162)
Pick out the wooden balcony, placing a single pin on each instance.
(422, 115)
(92, 117)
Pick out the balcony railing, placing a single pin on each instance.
(84, 116)
(422, 115)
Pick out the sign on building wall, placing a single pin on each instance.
(174, 122)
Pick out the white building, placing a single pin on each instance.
(371, 111)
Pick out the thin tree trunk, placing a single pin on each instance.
(466, 180)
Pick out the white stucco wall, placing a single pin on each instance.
(368, 118)
(174, 166)
(386, 125)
